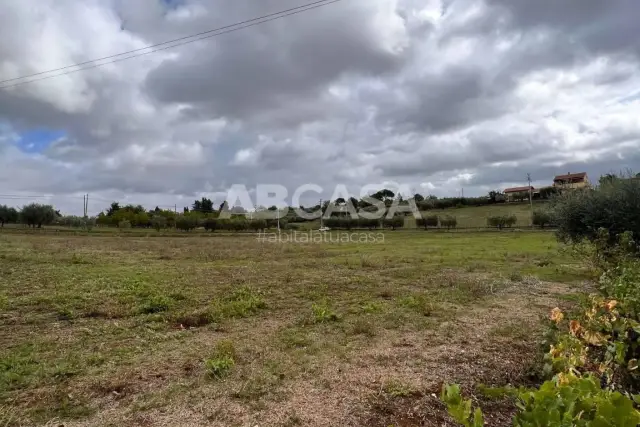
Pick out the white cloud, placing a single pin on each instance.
(431, 93)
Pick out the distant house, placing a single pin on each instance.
(517, 193)
(572, 181)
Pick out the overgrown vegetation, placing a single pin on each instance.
(594, 350)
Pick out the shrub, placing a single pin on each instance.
(124, 224)
(158, 222)
(211, 224)
(37, 214)
(369, 223)
(429, 221)
(186, 223)
(449, 222)
(542, 218)
(501, 221)
(567, 400)
(258, 225)
(393, 223)
(615, 206)
(8, 215)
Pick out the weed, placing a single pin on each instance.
(396, 388)
(222, 360)
(363, 327)
(295, 338)
(419, 303)
(372, 307)
(195, 319)
(156, 304)
(65, 313)
(243, 302)
(515, 276)
(4, 301)
(322, 313)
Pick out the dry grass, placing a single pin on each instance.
(130, 331)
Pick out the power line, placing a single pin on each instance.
(194, 38)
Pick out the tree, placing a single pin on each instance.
(159, 222)
(37, 214)
(501, 221)
(542, 218)
(8, 215)
(609, 178)
(418, 197)
(429, 221)
(449, 222)
(580, 214)
(203, 205)
(393, 223)
(186, 223)
(115, 207)
(495, 197)
(339, 201)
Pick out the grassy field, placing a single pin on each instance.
(476, 216)
(124, 330)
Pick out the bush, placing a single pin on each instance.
(186, 223)
(8, 215)
(542, 218)
(369, 223)
(159, 222)
(124, 224)
(429, 221)
(449, 222)
(258, 225)
(393, 223)
(569, 400)
(36, 214)
(502, 221)
(211, 224)
(579, 214)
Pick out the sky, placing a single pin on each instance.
(435, 95)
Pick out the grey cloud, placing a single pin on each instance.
(321, 97)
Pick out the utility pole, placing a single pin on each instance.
(321, 214)
(278, 216)
(530, 197)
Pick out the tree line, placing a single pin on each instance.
(32, 215)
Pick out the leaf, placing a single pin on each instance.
(575, 328)
(557, 315)
(594, 338)
(478, 419)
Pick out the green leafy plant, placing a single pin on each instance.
(460, 409)
(222, 361)
(322, 313)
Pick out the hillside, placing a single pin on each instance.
(476, 216)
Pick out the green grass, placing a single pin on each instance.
(476, 216)
(237, 327)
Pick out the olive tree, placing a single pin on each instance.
(8, 215)
(37, 215)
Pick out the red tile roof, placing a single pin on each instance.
(518, 189)
(570, 176)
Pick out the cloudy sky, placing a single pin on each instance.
(438, 95)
